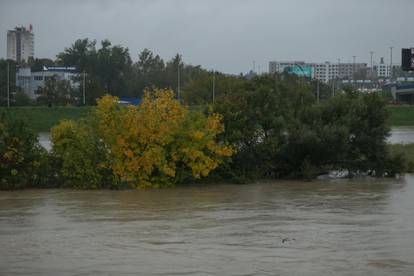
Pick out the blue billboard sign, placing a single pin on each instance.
(301, 71)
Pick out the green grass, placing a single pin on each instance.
(401, 115)
(42, 119)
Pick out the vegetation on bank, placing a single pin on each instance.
(23, 162)
(266, 127)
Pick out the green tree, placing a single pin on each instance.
(56, 92)
(38, 64)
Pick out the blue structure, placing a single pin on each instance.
(129, 101)
(300, 71)
(403, 92)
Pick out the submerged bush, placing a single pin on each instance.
(157, 144)
(23, 162)
(81, 156)
(280, 130)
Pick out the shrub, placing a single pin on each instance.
(23, 162)
(157, 144)
(81, 157)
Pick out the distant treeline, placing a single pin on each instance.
(109, 69)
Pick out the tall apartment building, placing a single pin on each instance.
(321, 71)
(20, 44)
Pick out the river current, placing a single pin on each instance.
(336, 227)
(361, 226)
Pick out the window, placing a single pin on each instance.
(38, 78)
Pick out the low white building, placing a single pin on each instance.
(32, 82)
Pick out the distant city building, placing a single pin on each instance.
(32, 82)
(382, 70)
(20, 44)
(321, 71)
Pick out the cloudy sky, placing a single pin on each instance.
(226, 35)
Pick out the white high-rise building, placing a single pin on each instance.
(20, 44)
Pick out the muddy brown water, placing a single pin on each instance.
(335, 227)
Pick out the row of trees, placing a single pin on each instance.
(110, 69)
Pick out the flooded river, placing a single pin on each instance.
(398, 135)
(341, 227)
(335, 227)
(402, 135)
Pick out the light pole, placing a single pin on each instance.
(84, 94)
(317, 91)
(8, 84)
(178, 82)
(317, 82)
(391, 71)
(214, 86)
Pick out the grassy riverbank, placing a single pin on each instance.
(401, 115)
(41, 119)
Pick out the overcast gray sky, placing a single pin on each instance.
(227, 35)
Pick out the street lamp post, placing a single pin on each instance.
(214, 86)
(391, 71)
(317, 82)
(8, 84)
(84, 94)
(178, 82)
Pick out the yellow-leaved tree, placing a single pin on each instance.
(160, 142)
(157, 144)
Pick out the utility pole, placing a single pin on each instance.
(353, 70)
(317, 91)
(84, 94)
(338, 75)
(8, 84)
(178, 82)
(391, 70)
(214, 87)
